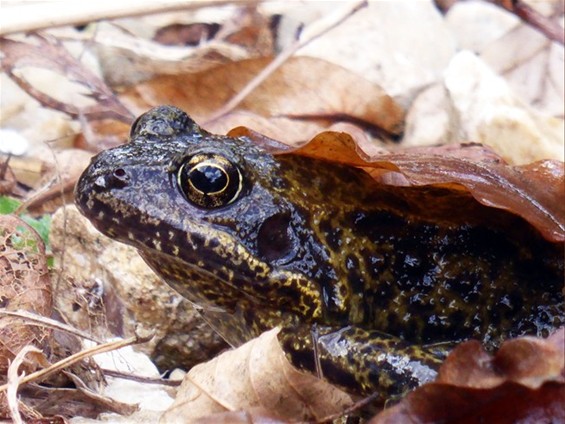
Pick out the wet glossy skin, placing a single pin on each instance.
(321, 250)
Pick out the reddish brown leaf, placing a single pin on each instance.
(524, 381)
(509, 403)
(534, 192)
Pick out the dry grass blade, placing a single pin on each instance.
(14, 381)
(107, 347)
(51, 323)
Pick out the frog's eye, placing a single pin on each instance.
(210, 180)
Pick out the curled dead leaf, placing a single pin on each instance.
(523, 381)
(256, 375)
(535, 192)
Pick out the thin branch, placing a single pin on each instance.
(547, 26)
(140, 379)
(49, 323)
(79, 356)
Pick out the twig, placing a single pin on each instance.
(48, 52)
(49, 323)
(140, 379)
(351, 409)
(310, 33)
(79, 356)
(548, 27)
(93, 112)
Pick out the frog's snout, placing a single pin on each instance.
(97, 181)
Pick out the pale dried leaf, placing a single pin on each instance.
(533, 66)
(255, 375)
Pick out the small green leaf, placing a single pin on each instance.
(42, 225)
(8, 205)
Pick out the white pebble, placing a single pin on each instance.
(12, 142)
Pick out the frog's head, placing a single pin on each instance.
(213, 215)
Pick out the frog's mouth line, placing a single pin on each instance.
(213, 274)
(229, 265)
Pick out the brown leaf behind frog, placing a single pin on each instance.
(534, 192)
(307, 94)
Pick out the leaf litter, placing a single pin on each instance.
(288, 112)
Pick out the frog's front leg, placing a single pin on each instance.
(361, 361)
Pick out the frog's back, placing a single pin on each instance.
(426, 279)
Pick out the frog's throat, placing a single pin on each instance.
(214, 273)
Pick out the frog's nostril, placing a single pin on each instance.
(119, 178)
(119, 173)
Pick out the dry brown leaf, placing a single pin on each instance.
(24, 285)
(524, 381)
(27, 171)
(534, 192)
(47, 52)
(301, 88)
(191, 34)
(102, 134)
(251, 416)
(249, 29)
(256, 375)
(292, 131)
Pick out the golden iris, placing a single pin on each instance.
(210, 180)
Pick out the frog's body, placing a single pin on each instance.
(320, 249)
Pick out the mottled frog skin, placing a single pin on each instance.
(368, 294)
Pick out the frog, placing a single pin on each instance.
(369, 292)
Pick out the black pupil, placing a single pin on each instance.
(208, 179)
